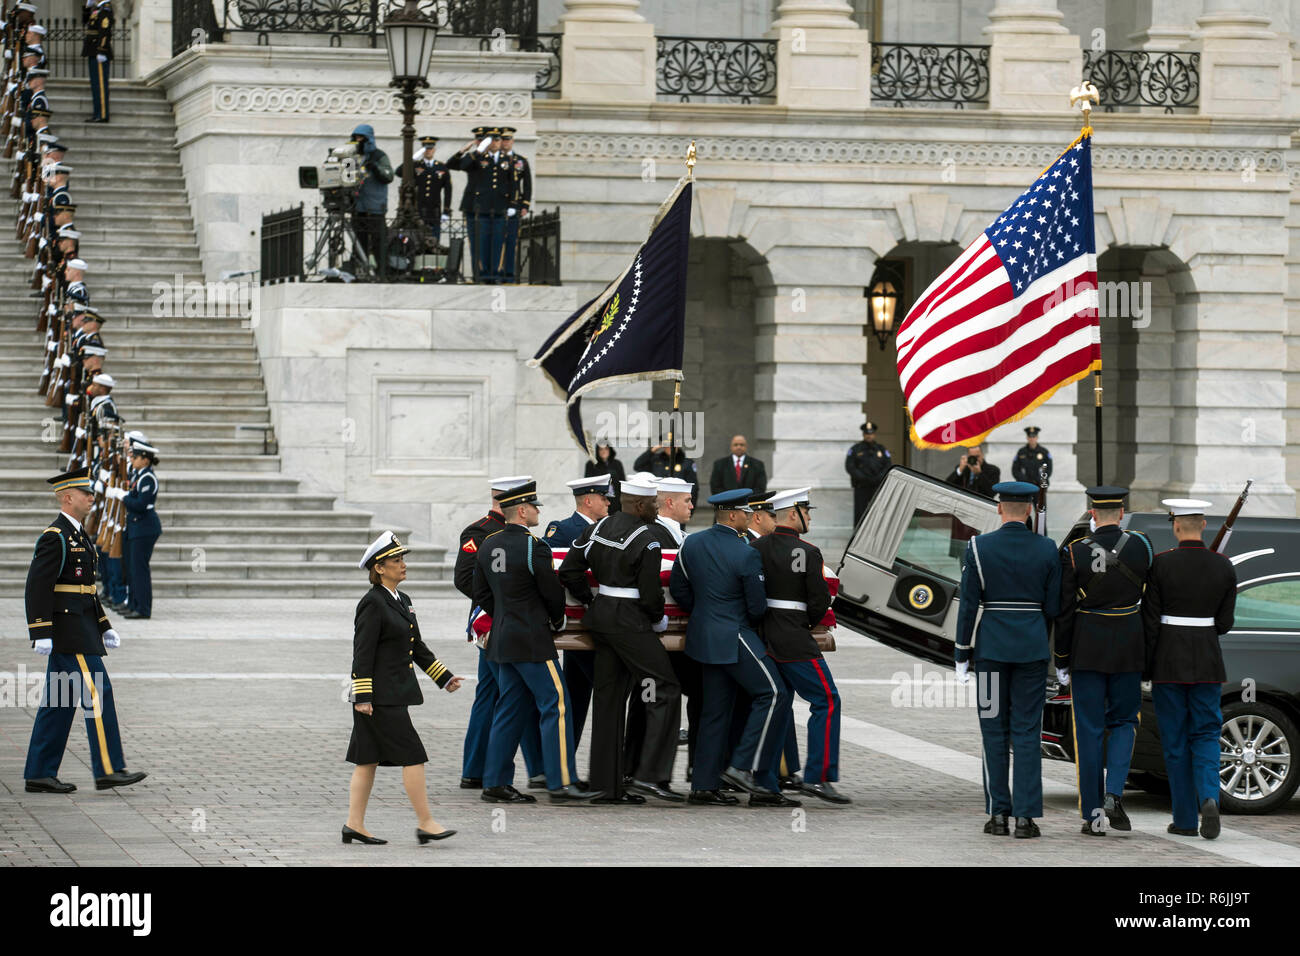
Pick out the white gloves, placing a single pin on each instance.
(511, 212)
(102, 58)
(963, 672)
(446, 218)
(1063, 676)
(99, 487)
(557, 630)
(661, 626)
(111, 638)
(116, 492)
(45, 646)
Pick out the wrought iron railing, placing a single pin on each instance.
(907, 74)
(547, 80)
(63, 48)
(281, 239)
(690, 68)
(1168, 79)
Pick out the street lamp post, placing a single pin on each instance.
(409, 36)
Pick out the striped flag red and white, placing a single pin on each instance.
(1013, 319)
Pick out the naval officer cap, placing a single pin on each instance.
(595, 485)
(510, 482)
(735, 500)
(1106, 496)
(525, 494)
(1178, 507)
(639, 486)
(77, 478)
(674, 486)
(761, 501)
(385, 546)
(428, 140)
(144, 450)
(1015, 491)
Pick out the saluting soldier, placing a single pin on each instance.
(1099, 652)
(97, 48)
(1189, 606)
(866, 463)
(472, 160)
(1031, 458)
(1010, 591)
(432, 187)
(66, 623)
(520, 200)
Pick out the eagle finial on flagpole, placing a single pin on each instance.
(1085, 94)
(690, 161)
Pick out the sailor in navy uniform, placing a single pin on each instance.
(1031, 458)
(515, 582)
(486, 689)
(97, 48)
(432, 187)
(718, 580)
(591, 503)
(1190, 604)
(1099, 652)
(66, 623)
(1010, 592)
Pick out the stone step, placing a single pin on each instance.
(212, 340)
(286, 574)
(53, 463)
(307, 552)
(172, 379)
(130, 311)
(249, 537)
(230, 485)
(205, 586)
(92, 228)
(171, 518)
(147, 359)
(153, 394)
(143, 416)
(173, 433)
(11, 502)
(213, 445)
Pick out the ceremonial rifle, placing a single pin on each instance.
(1220, 543)
(1040, 509)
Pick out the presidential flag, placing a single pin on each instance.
(635, 329)
(1013, 319)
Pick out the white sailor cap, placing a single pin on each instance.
(510, 483)
(36, 28)
(674, 486)
(593, 485)
(638, 487)
(54, 169)
(385, 546)
(643, 476)
(788, 499)
(103, 378)
(29, 7)
(1185, 506)
(140, 447)
(77, 264)
(135, 437)
(66, 231)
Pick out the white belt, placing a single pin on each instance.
(1186, 621)
(607, 591)
(787, 605)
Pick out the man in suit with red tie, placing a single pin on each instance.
(738, 470)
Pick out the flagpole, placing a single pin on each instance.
(1085, 95)
(677, 385)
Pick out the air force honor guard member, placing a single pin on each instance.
(67, 624)
(1099, 651)
(1010, 590)
(1190, 604)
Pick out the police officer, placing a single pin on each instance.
(66, 623)
(1031, 458)
(515, 582)
(486, 688)
(1099, 651)
(520, 200)
(432, 187)
(659, 463)
(1189, 606)
(1010, 591)
(866, 463)
(718, 580)
(590, 496)
(97, 48)
(625, 617)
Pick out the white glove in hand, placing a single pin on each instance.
(44, 647)
(1063, 676)
(111, 638)
(511, 212)
(660, 627)
(102, 58)
(557, 629)
(446, 218)
(963, 672)
(99, 487)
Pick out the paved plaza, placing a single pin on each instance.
(237, 710)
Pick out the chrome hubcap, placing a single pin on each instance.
(1254, 759)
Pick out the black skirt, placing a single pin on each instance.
(386, 737)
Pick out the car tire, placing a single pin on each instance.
(1276, 732)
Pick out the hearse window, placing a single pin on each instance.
(1271, 604)
(935, 543)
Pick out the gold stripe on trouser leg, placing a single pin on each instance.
(1074, 733)
(564, 746)
(97, 711)
(785, 771)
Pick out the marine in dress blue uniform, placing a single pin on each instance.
(1190, 604)
(1010, 591)
(142, 520)
(718, 580)
(1099, 651)
(66, 622)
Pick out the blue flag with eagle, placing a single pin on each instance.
(635, 329)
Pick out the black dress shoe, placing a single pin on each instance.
(135, 616)
(1115, 814)
(1026, 829)
(538, 782)
(997, 825)
(1178, 831)
(350, 836)
(824, 791)
(623, 799)
(741, 780)
(1209, 819)
(506, 794)
(770, 798)
(711, 798)
(660, 791)
(791, 782)
(471, 783)
(1087, 829)
(424, 836)
(50, 785)
(120, 779)
(574, 794)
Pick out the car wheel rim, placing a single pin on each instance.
(1254, 758)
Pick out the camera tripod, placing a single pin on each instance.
(337, 227)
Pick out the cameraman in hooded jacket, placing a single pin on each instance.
(372, 196)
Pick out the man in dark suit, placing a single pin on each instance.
(515, 582)
(975, 474)
(718, 580)
(738, 470)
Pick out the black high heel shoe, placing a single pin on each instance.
(350, 834)
(424, 837)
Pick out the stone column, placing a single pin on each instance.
(1034, 61)
(1245, 66)
(823, 60)
(151, 35)
(607, 53)
(1163, 25)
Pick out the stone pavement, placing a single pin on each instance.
(237, 711)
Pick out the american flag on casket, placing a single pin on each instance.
(481, 623)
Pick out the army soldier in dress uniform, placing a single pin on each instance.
(486, 689)
(470, 160)
(1189, 606)
(625, 617)
(1010, 591)
(432, 187)
(590, 497)
(515, 582)
(1031, 458)
(489, 193)
(67, 624)
(520, 200)
(866, 463)
(97, 48)
(1100, 652)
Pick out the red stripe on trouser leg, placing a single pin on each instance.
(830, 712)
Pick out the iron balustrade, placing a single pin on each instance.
(62, 45)
(691, 67)
(1168, 79)
(906, 74)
